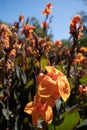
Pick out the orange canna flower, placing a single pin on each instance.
(47, 9)
(75, 19)
(44, 24)
(58, 43)
(83, 49)
(21, 18)
(49, 100)
(64, 87)
(13, 52)
(28, 30)
(49, 5)
(76, 26)
(53, 84)
(47, 86)
(79, 58)
(53, 72)
(39, 111)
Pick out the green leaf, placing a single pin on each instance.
(83, 80)
(44, 61)
(29, 83)
(71, 119)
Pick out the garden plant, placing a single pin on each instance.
(43, 83)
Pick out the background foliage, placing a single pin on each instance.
(19, 70)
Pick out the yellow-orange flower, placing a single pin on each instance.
(79, 58)
(64, 87)
(47, 87)
(39, 110)
(27, 30)
(58, 43)
(51, 86)
(76, 26)
(47, 9)
(44, 24)
(83, 49)
(13, 52)
(54, 83)
(49, 5)
(21, 18)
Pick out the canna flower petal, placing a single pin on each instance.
(46, 87)
(39, 78)
(35, 116)
(21, 18)
(49, 5)
(53, 72)
(29, 107)
(64, 87)
(48, 116)
(49, 100)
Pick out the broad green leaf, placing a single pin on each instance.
(71, 119)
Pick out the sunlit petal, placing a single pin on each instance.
(47, 87)
(64, 87)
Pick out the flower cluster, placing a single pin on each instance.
(51, 86)
(76, 26)
(27, 31)
(47, 9)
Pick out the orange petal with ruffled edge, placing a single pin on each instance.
(53, 72)
(38, 112)
(47, 87)
(29, 107)
(64, 87)
(48, 115)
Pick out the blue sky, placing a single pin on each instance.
(62, 12)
